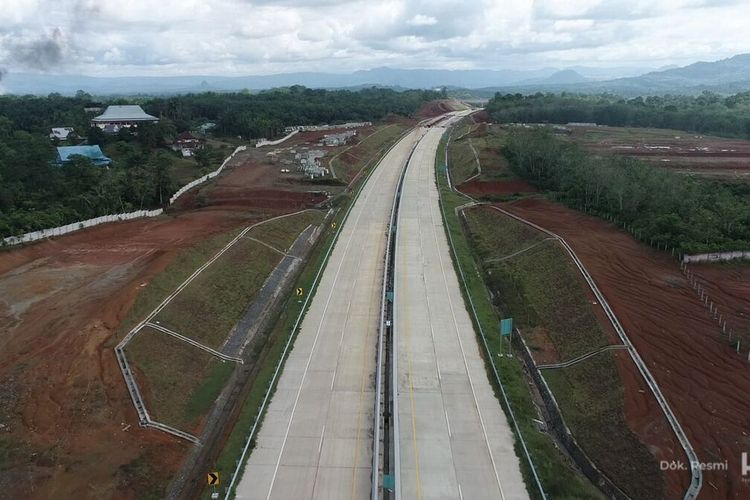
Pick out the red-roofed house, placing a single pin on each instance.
(187, 143)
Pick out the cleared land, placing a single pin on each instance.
(686, 152)
(703, 379)
(63, 302)
(728, 285)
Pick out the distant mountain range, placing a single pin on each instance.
(728, 75)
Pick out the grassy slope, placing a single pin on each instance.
(539, 286)
(208, 308)
(488, 145)
(183, 381)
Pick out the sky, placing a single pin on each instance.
(243, 37)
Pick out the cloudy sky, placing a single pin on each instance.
(234, 37)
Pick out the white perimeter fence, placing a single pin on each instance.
(266, 142)
(75, 226)
(716, 256)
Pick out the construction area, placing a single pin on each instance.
(685, 152)
(67, 302)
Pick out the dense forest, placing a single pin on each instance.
(689, 215)
(707, 113)
(267, 113)
(36, 193)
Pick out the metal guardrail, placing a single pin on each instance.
(384, 333)
(393, 237)
(696, 482)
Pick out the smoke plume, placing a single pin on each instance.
(41, 53)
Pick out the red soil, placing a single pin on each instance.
(705, 382)
(63, 402)
(64, 300)
(434, 108)
(481, 116)
(728, 286)
(496, 188)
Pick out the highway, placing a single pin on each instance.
(453, 438)
(316, 437)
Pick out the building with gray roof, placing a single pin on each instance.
(117, 117)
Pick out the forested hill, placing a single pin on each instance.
(35, 193)
(706, 113)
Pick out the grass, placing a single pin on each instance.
(181, 382)
(282, 233)
(488, 142)
(558, 478)
(540, 286)
(164, 283)
(208, 308)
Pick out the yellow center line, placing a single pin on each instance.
(363, 380)
(411, 396)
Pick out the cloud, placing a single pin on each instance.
(422, 20)
(262, 36)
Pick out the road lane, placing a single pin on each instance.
(316, 438)
(454, 441)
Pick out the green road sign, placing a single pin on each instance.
(506, 327)
(389, 483)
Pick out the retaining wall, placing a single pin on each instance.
(266, 142)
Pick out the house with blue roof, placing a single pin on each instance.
(93, 153)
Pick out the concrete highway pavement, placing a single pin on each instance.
(316, 438)
(454, 440)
